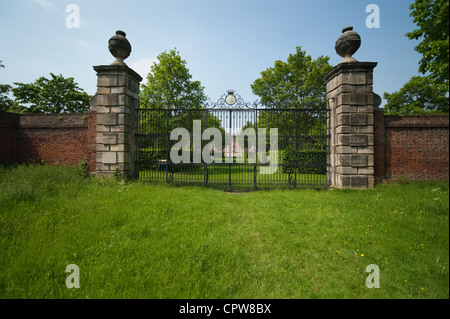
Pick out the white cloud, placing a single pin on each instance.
(47, 5)
(142, 67)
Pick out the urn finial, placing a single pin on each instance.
(119, 47)
(347, 44)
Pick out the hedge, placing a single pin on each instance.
(308, 162)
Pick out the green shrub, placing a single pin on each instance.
(149, 158)
(308, 162)
(152, 159)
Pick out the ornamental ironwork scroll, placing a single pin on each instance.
(231, 100)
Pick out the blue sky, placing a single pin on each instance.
(226, 44)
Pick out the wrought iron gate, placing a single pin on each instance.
(236, 162)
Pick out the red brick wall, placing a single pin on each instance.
(415, 147)
(66, 139)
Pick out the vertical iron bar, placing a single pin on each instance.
(167, 146)
(295, 149)
(256, 145)
(138, 146)
(205, 174)
(136, 153)
(255, 116)
(230, 154)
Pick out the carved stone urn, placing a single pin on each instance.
(119, 47)
(347, 44)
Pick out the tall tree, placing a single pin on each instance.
(171, 89)
(169, 84)
(296, 83)
(54, 95)
(432, 18)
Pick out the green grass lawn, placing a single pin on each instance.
(139, 240)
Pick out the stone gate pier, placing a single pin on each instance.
(115, 102)
(352, 102)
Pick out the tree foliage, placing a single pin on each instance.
(426, 94)
(169, 84)
(296, 83)
(54, 95)
(5, 102)
(432, 18)
(419, 96)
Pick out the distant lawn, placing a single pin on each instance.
(139, 240)
(242, 177)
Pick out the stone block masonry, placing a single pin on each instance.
(115, 103)
(351, 101)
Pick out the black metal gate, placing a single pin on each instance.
(240, 151)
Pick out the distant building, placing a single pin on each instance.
(236, 151)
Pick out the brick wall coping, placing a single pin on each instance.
(41, 121)
(416, 121)
(9, 119)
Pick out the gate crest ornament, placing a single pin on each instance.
(231, 100)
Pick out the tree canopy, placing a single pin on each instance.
(429, 93)
(54, 95)
(170, 85)
(419, 96)
(175, 101)
(432, 18)
(296, 83)
(5, 102)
